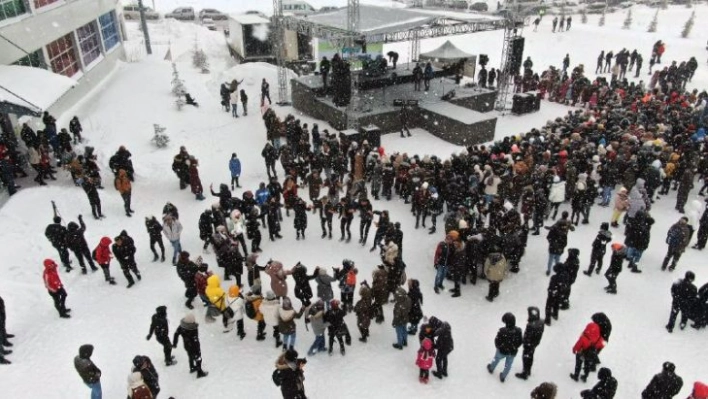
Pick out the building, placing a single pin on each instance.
(80, 39)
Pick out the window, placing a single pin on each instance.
(42, 3)
(35, 59)
(89, 42)
(109, 30)
(11, 8)
(62, 56)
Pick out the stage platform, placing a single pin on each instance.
(461, 120)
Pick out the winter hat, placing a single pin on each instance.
(234, 291)
(508, 206)
(189, 318)
(690, 276)
(454, 235)
(256, 289)
(605, 226)
(656, 164)
(137, 361)
(57, 219)
(161, 310)
(49, 263)
(617, 246)
(291, 355)
(668, 366)
(462, 224)
(270, 295)
(604, 373)
(595, 158)
(573, 253)
(556, 179)
(509, 319)
(425, 186)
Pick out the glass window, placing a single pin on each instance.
(89, 42)
(11, 8)
(42, 3)
(109, 30)
(62, 56)
(35, 59)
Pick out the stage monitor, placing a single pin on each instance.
(399, 103)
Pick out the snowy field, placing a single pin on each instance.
(116, 320)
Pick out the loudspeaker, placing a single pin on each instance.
(517, 55)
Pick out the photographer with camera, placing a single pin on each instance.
(289, 375)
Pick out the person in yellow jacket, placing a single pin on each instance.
(124, 187)
(215, 293)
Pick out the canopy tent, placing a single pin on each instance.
(446, 53)
(30, 91)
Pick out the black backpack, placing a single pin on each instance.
(277, 377)
(251, 313)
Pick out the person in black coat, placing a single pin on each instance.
(571, 266)
(77, 243)
(606, 386)
(144, 366)
(206, 228)
(160, 327)
(637, 237)
(4, 336)
(664, 385)
(186, 269)
(416, 313)
(303, 291)
(154, 229)
(508, 340)
(337, 327)
(444, 344)
(300, 221)
(189, 331)
(684, 295)
(557, 286)
(90, 188)
(599, 247)
(619, 252)
(532, 337)
(292, 377)
(56, 234)
(124, 252)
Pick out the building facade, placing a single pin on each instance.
(80, 39)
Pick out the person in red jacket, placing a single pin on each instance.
(102, 255)
(586, 349)
(56, 289)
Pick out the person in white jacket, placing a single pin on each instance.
(556, 196)
(270, 309)
(172, 229)
(236, 303)
(238, 229)
(234, 103)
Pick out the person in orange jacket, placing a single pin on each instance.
(586, 350)
(55, 288)
(122, 184)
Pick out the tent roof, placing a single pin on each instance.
(28, 90)
(447, 51)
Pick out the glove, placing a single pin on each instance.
(174, 345)
(147, 338)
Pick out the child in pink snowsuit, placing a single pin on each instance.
(424, 360)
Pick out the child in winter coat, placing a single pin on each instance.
(619, 251)
(599, 246)
(102, 255)
(621, 206)
(424, 360)
(235, 302)
(364, 310)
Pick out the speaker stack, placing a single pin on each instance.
(517, 55)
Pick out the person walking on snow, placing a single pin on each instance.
(160, 327)
(265, 92)
(684, 295)
(154, 229)
(189, 331)
(507, 342)
(172, 228)
(102, 254)
(89, 373)
(235, 169)
(122, 184)
(56, 290)
(77, 244)
(532, 338)
(244, 102)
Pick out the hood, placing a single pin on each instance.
(234, 291)
(656, 164)
(534, 313)
(509, 320)
(138, 360)
(400, 292)
(135, 380)
(427, 344)
(640, 183)
(189, 322)
(161, 311)
(604, 373)
(85, 351)
(105, 241)
(434, 322)
(49, 264)
(573, 253)
(213, 281)
(270, 295)
(72, 226)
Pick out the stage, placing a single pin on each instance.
(462, 120)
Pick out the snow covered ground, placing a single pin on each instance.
(116, 320)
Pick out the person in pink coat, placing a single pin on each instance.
(425, 359)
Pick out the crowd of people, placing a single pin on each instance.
(634, 141)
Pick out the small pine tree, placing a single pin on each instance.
(664, 4)
(602, 19)
(654, 22)
(628, 21)
(583, 16)
(689, 25)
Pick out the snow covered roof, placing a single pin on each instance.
(447, 51)
(29, 90)
(249, 19)
(373, 19)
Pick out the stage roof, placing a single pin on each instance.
(387, 25)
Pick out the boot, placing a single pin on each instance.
(260, 337)
(155, 258)
(162, 259)
(523, 375)
(201, 374)
(438, 375)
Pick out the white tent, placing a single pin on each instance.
(29, 91)
(446, 53)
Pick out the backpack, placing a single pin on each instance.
(277, 377)
(351, 279)
(251, 312)
(141, 392)
(93, 254)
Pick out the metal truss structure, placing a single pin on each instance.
(278, 39)
(505, 79)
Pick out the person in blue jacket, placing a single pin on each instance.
(262, 196)
(235, 168)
